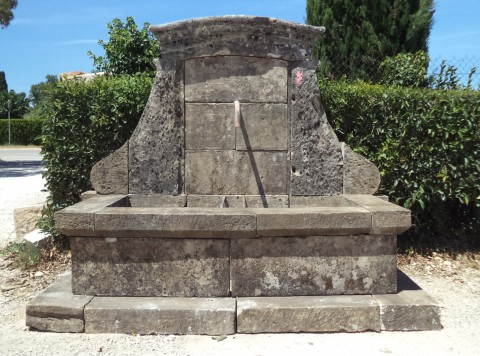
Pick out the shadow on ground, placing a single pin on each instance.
(20, 168)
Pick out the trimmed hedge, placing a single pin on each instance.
(22, 131)
(85, 122)
(426, 144)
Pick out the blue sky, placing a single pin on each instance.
(53, 36)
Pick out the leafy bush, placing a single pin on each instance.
(426, 145)
(405, 69)
(22, 131)
(86, 121)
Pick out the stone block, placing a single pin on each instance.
(57, 309)
(79, 219)
(266, 201)
(157, 144)
(147, 315)
(176, 222)
(317, 162)
(316, 265)
(360, 175)
(235, 172)
(411, 309)
(307, 314)
(150, 267)
(224, 79)
(157, 200)
(110, 175)
(236, 36)
(262, 127)
(88, 194)
(387, 218)
(37, 238)
(25, 220)
(306, 221)
(209, 126)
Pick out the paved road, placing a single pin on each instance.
(20, 162)
(19, 154)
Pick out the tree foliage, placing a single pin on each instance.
(130, 50)
(362, 33)
(39, 95)
(6, 11)
(18, 101)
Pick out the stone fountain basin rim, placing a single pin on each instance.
(107, 216)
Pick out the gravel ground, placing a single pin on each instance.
(21, 186)
(454, 283)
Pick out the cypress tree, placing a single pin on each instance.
(3, 83)
(362, 33)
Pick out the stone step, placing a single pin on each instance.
(58, 310)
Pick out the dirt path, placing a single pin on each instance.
(454, 284)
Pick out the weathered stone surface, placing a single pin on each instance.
(156, 146)
(176, 222)
(236, 35)
(263, 127)
(313, 221)
(216, 201)
(157, 200)
(266, 201)
(224, 79)
(411, 309)
(317, 162)
(360, 175)
(25, 220)
(209, 126)
(307, 314)
(79, 219)
(110, 175)
(316, 265)
(184, 316)
(235, 172)
(321, 201)
(150, 267)
(387, 218)
(57, 309)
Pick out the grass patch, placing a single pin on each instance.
(25, 256)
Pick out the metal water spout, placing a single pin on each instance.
(237, 113)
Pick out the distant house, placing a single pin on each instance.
(79, 75)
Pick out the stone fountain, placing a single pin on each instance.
(233, 207)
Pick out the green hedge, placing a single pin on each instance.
(85, 122)
(22, 131)
(426, 144)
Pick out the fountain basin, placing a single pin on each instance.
(140, 245)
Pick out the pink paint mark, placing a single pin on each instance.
(299, 77)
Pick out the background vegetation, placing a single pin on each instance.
(362, 33)
(22, 131)
(425, 143)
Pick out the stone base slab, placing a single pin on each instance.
(157, 315)
(58, 310)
